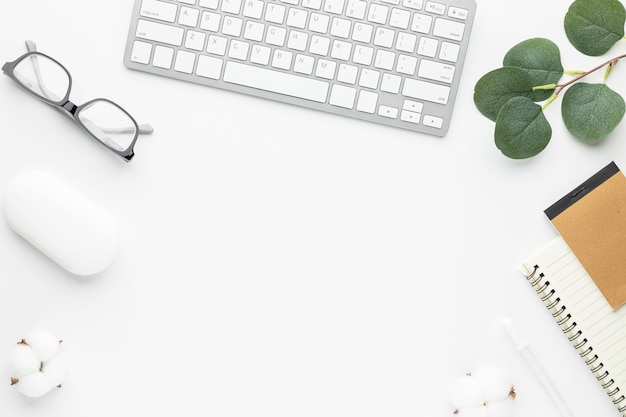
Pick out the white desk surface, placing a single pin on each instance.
(277, 261)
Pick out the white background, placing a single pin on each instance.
(278, 261)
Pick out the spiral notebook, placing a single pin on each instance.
(594, 328)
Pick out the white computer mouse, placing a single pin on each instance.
(60, 222)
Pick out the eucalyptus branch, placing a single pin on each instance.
(558, 88)
(532, 72)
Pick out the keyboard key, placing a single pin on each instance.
(413, 4)
(231, 6)
(356, 9)
(414, 106)
(275, 81)
(421, 23)
(449, 51)
(253, 9)
(276, 36)
(458, 13)
(159, 32)
(195, 40)
(436, 71)
(319, 23)
(312, 4)
(384, 37)
(391, 83)
(297, 18)
(341, 50)
(422, 90)
(449, 29)
(185, 62)
(232, 26)
(363, 55)
(298, 40)
(325, 69)
(409, 116)
(367, 102)
(400, 19)
(427, 46)
(209, 4)
(304, 64)
(436, 8)
(384, 59)
(378, 13)
(282, 59)
(238, 50)
(387, 111)
(275, 13)
(210, 21)
(369, 78)
(319, 45)
(209, 67)
(163, 57)
(362, 32)
(254, 31)
(406, 64)
(189, 17)
(433, 121)
(347, 73)
(260, 54)
(141, 52)
(406, 42)
(341, 28)
(159, 10)
(342, 96)
(334, 6)
(217, 45)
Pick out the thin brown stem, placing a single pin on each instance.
(611, 62)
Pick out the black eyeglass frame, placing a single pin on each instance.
(70, 109)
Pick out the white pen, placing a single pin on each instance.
(533, 363)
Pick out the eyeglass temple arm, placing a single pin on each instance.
(144, 128)
(31, 46)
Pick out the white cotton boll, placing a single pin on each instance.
(502, 408)
(34, 385)
(480, 411)
(23, 361)
(467, 392)
(495, 384)
(43, 343)
(55, 370)
(37, 364)
(485, 392)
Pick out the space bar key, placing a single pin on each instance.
(275, 81)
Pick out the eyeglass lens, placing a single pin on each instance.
(109, 124)
(106, 121)
(43, 77)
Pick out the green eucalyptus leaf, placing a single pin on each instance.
(497, 87)
(541, 58)
(591, 111)
(594, 26)
(522, 130)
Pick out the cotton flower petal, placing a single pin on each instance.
(34, 385)
(43, 343)
(23, 361)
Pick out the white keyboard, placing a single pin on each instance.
(394, 62)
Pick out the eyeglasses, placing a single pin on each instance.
(102, 119)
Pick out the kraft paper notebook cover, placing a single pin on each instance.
(594, 329)
(592, 221)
